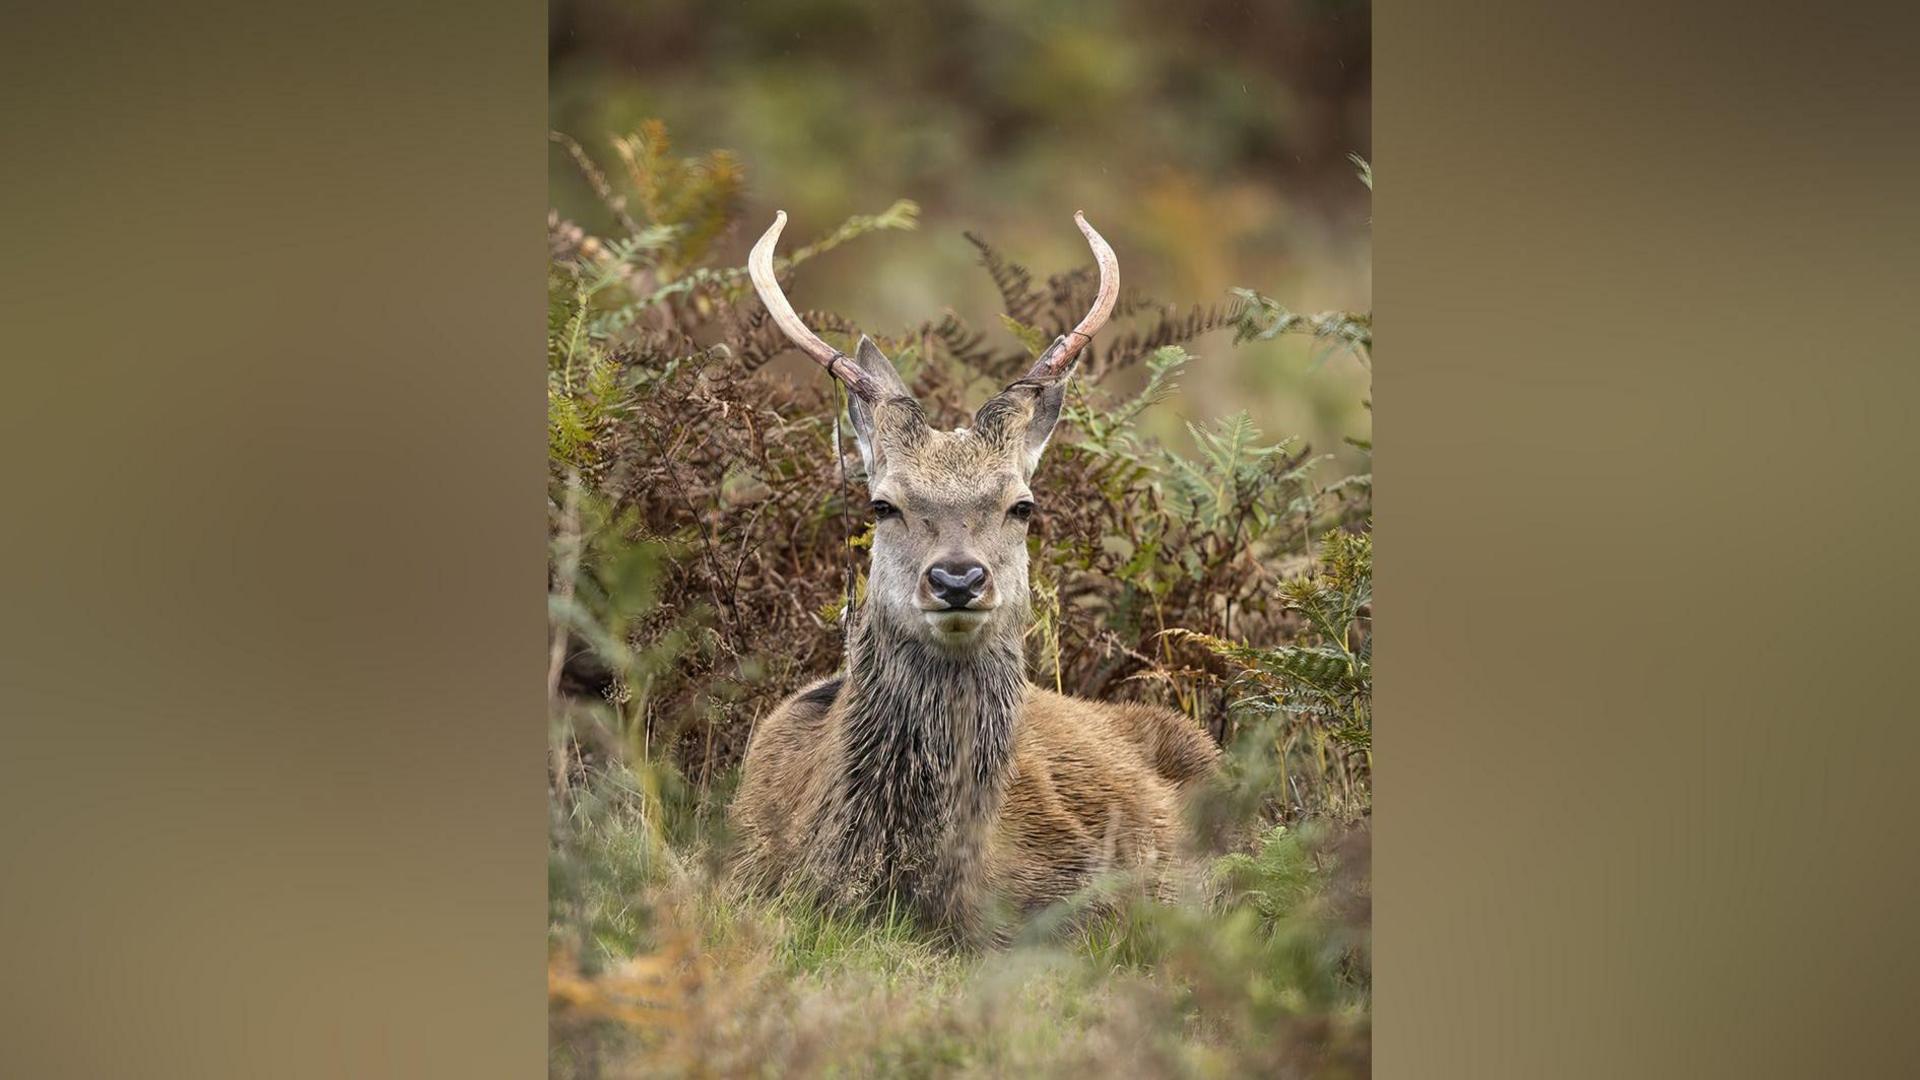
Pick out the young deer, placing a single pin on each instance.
(930, 770)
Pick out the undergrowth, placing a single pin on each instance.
(704, 528)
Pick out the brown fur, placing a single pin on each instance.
(1090, 786)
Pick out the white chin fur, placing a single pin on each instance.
(955, 625)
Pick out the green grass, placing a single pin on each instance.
(1255, 972)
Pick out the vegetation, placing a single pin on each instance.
(706, 541)
(1209, 141)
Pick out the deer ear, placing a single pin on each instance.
(1023, 416)
(874, 363)
(1046, 413)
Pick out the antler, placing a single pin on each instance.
(760, 268)
(1060, 354)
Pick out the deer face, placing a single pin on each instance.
(950, 507)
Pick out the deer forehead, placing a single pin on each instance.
(954, 471)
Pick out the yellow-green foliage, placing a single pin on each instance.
(658, 968)
(695, 197)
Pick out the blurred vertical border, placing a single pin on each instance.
(274, 599)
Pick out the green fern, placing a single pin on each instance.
(1032, 337)
(731, 281)
(1262, 318)
(1235, 480)
(903, 215)
(1329, 677)
(1108, 431)
(1276, 879)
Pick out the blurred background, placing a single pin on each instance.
(1209, 141)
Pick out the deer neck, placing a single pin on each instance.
(929, 738)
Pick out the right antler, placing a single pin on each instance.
(1061, 353)
(760, 268)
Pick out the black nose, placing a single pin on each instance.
(957, 583)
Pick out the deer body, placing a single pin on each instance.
(931, 771)
(956, 802)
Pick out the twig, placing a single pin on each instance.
(597, 180)
(568, 570)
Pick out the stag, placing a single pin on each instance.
(929, 770)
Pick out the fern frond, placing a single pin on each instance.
(1018, 297)
(755, 339)
(972, 348)
(1262, 318)
(1034, 338)
(904, 214)
(1172, 328)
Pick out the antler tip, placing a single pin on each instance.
(1057, 360)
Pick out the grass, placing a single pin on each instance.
(661, 968)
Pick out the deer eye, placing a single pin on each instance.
(882, 509)
(1021, 510)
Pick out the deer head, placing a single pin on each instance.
(949, 562)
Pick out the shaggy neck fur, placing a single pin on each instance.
(929, 738)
